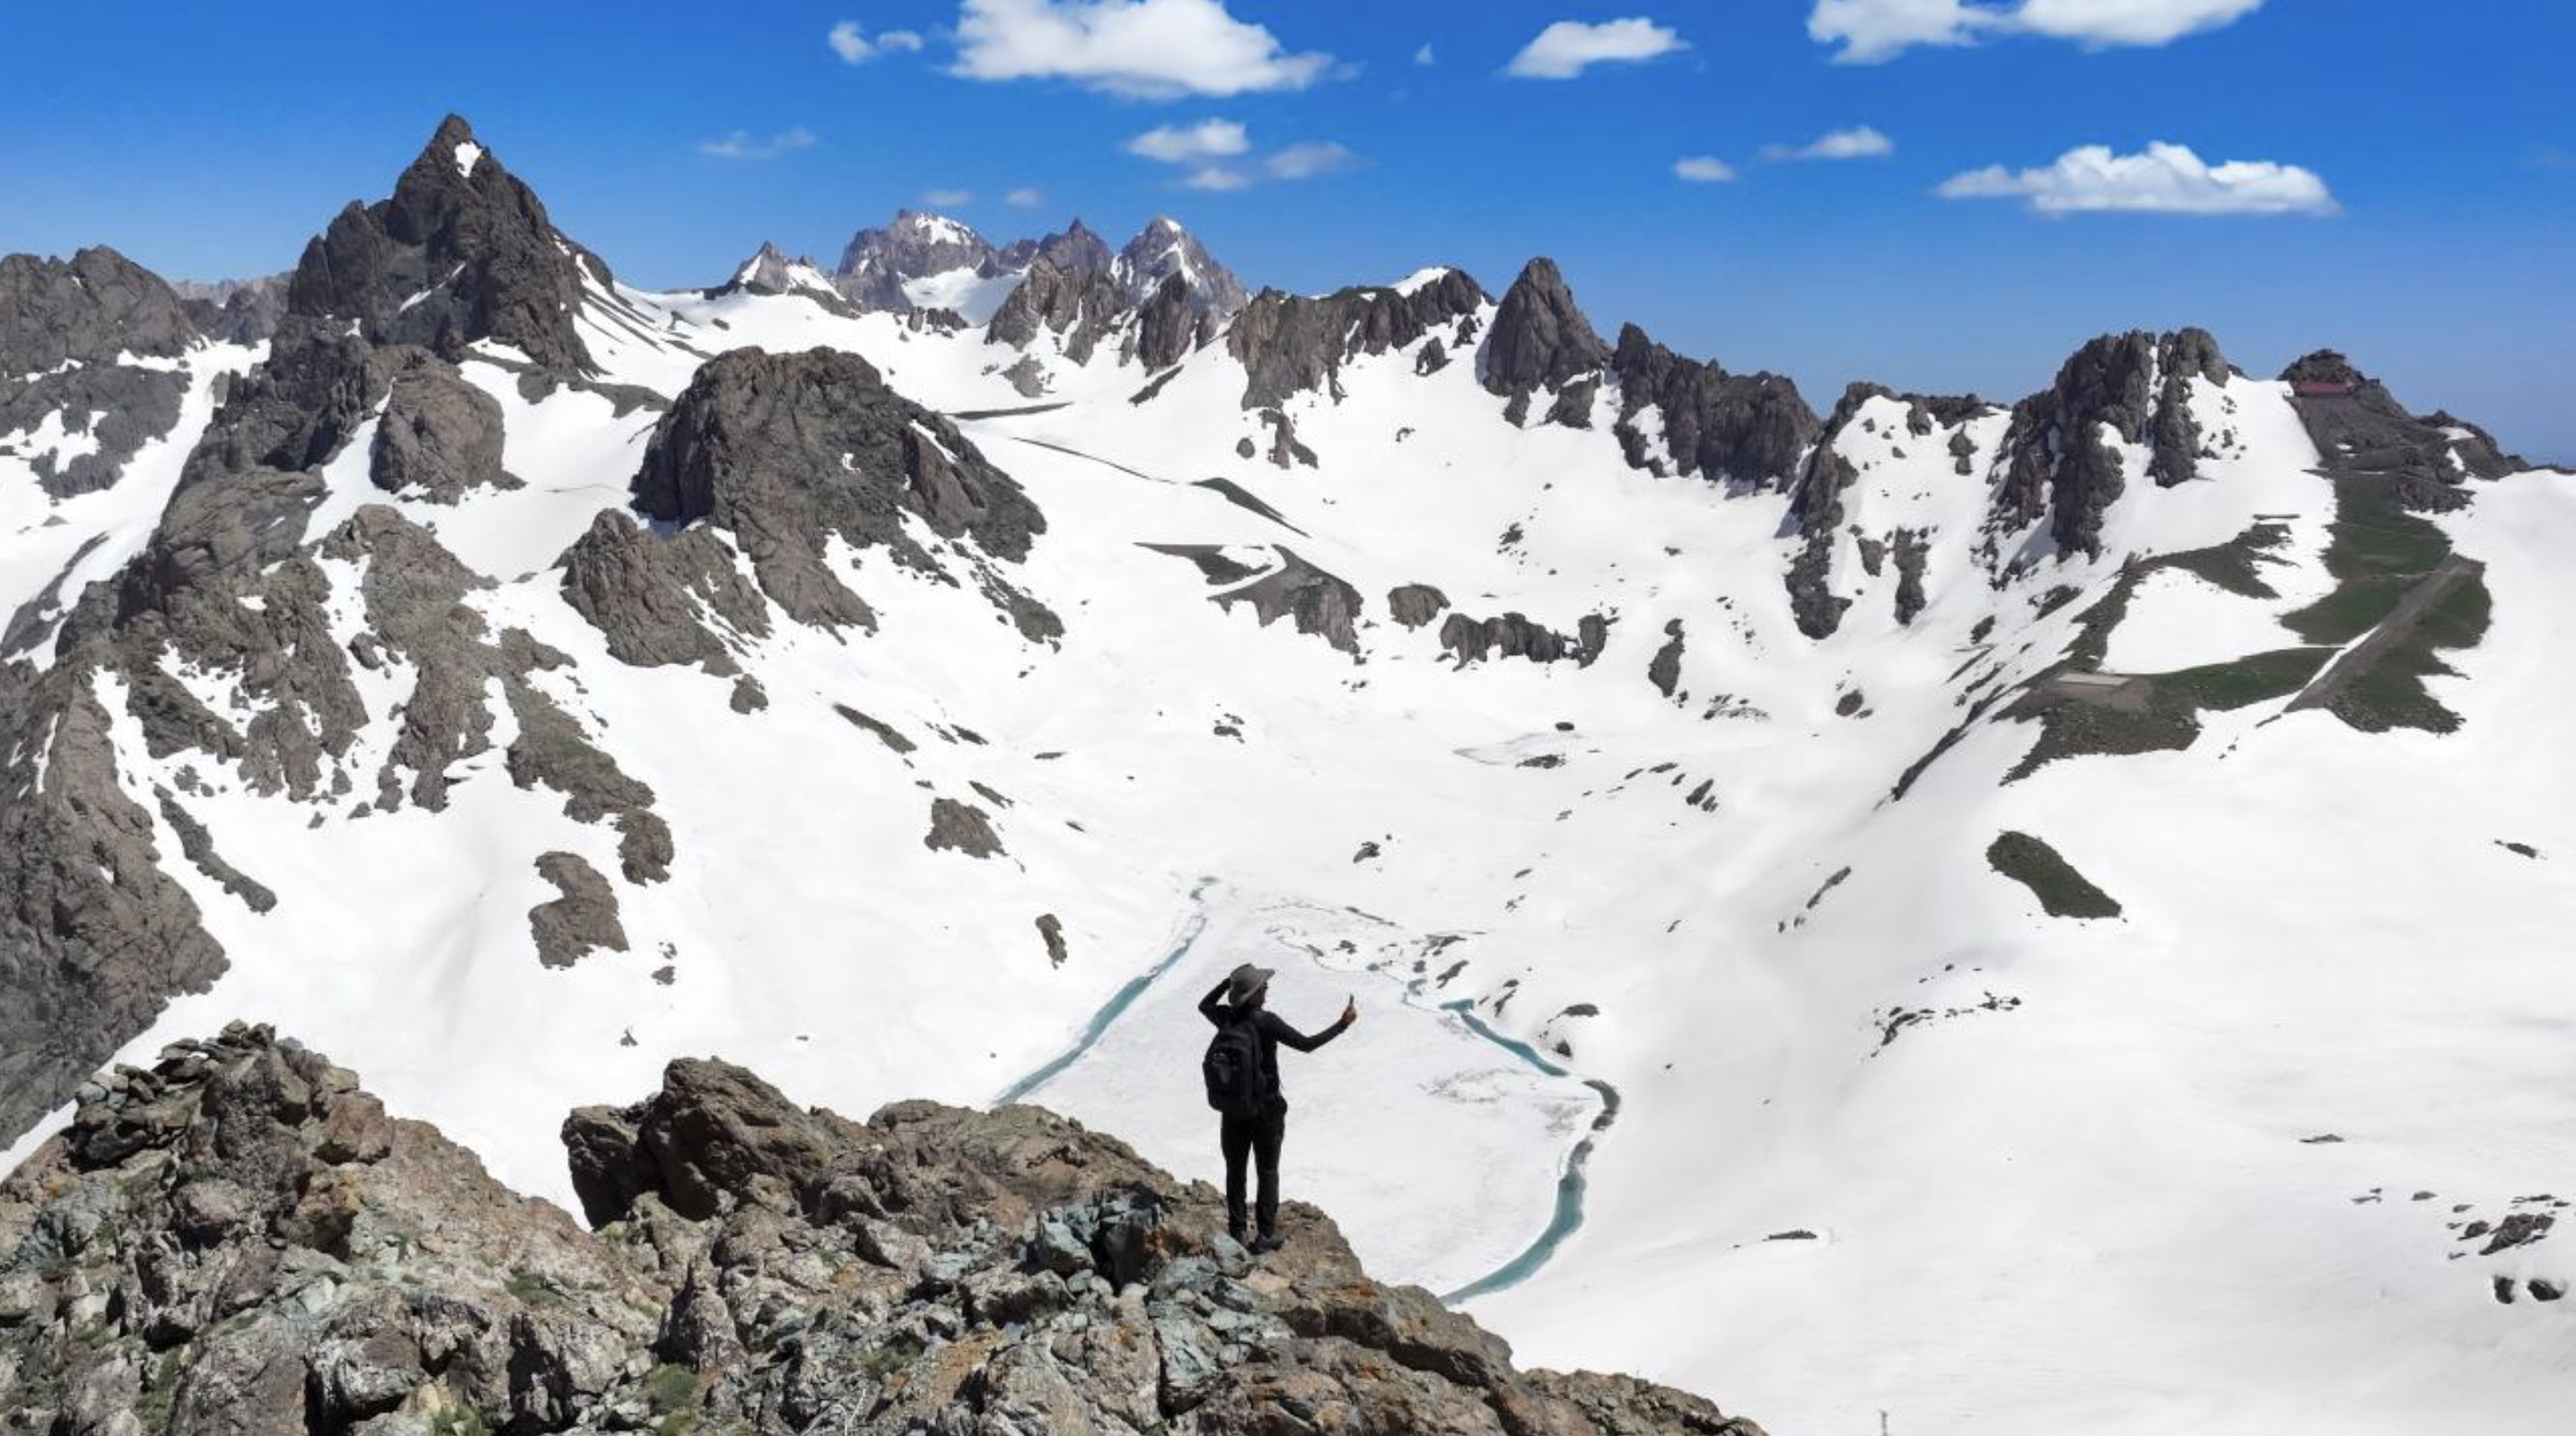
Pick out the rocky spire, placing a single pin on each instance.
(1539, 339)
(1752, 428)
(1291, 344)
(1163, 249)
(462, 252)
(2056, 463)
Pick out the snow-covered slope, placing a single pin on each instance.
(1639, 750)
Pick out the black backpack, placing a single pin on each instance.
(1232, 1068)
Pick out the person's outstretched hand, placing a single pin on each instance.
(1350, 1011)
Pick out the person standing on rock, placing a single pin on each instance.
(1242, 1072)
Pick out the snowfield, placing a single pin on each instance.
(1893, 1149)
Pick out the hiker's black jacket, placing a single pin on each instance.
(1273, 1031)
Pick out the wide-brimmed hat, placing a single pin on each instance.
(1246, 981)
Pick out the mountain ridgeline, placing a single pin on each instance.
(494, 657)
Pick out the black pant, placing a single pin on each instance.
(1255, 1135)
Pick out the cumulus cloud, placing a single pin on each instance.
(1860, 142)
(1024, 198)
(1704, 169)
(743, 145)
(1148, 49)
(2164, 179)
(1874, 30)
(1179, 144)
(947, 198)
(1298, 162)
(1565, 49)
(853, 45)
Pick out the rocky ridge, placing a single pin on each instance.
(240, 1240)
(77, 338)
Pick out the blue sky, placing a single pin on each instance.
(2427, 154)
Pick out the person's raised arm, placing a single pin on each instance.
(1288, 1036)
(1208, 1005)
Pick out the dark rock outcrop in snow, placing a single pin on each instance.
(1664, 670)
(961, 827)
(1415, 604)
(1539, 339)
(1752, 428)
(462, 252)
(644, 593)
(65, 326)
(1084, 308)
(2361, 430)
(1514, 635)
(2056, 462)
(1170, 325)
(582, 919)
(1320, 603)
(439, 436)
(786, 451)
(1077, 249)
(1290, 344)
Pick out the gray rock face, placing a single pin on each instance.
(1415, 604)
(1077, 249)
(783, 451)
(2362, 431)
(582, 919)
(917, 244)
(961, 828)
(1539, 339)
(1320, 603)
(462, 251)
(643, 593)
(1513, 635)
(1162, 250)
(1290, 344)
(1168, 327)
(2056, 463)
(440, 436)
(1664, 670)
(1085, 308)
(1752, 428)
(1816, 507)
(63, 327)
(235, 311)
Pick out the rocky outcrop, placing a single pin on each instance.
(1084, 308)
(1664, 670)
(961, 828)
(1320, 603)
(1163, 250)
(646, 594)
(66, 330)
(1749, 428)
(786, 451)
(1539, 339)
(1415, 604)
(1077, 249)
(462, 252)
(2058, 465)
(581, 918)
(1169, 326)
(2362, 432)
(1514, 635)
(1816, 513)
(439, 436)
(1290, 344)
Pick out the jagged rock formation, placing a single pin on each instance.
(439, 436)
(878, 261)
(1077, 249)
(1320, 603)
(1083, 307)
(771, 271)
(1751, 428)
(1163, 250)
(235, 311)
(1415, 604)
(1539, 339)
(1171, 324)
(2056, 462)
(784, 451)
(582, 918)
(240, 1239)
(65, 329)
(2361, 429)
(1290, 344)
(462, 252)
(1513, 635)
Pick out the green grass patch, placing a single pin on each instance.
(899, 1352)
(671, 1387)
(2375, 551)
(2061, 890)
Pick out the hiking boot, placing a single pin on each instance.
(1267, 1242)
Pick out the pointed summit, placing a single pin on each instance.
(1540, 339)
(461, 252)
(1163, 249)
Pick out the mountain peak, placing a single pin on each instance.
(1163, 249)
(1540, 338)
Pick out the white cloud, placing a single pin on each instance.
(743, 145)
(947, 198)
(1024, 198)
(1424, 56)
(1217, 177)
(1875, 30)
(1180, 144)
(1298, 162)
(2165, 179)
(1564, 49)
(1860, 142)
(852, 44)
(1150, 49)
(1704, 169)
